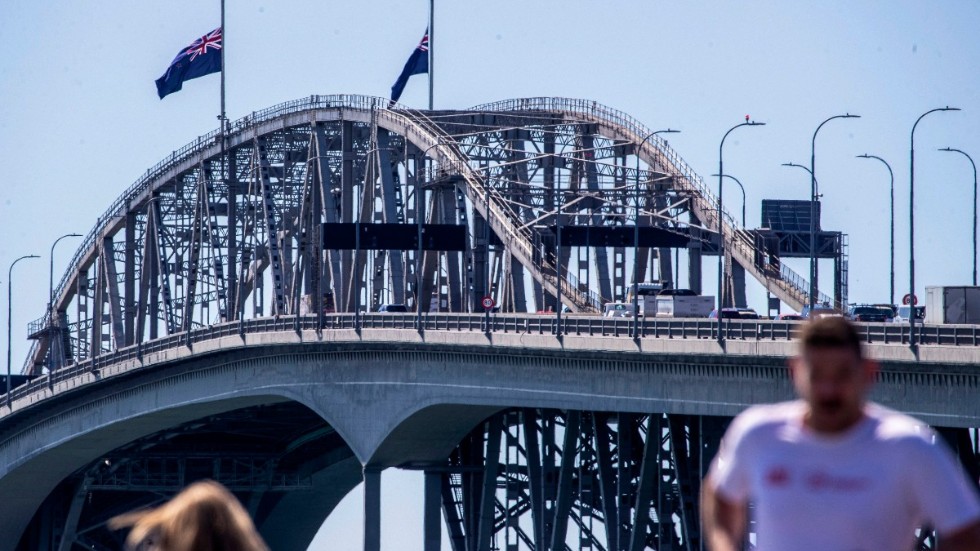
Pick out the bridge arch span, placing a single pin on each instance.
(230, 226)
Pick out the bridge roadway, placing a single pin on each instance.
(398, 396)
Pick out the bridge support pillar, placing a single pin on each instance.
(694, 268)
(432, 521)
(372, 509)
(738, 284)
(694, 260)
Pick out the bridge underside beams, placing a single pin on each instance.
(285, 464)
(593, 480)
(585, 480)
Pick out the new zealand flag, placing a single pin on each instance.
(203, 57)
(417, 64)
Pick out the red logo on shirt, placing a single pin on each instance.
(777, 476)
(821, 481)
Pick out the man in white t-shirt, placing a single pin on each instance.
(833, 472)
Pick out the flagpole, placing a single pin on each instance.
(432, 55)
(225, 164)
(222, 117)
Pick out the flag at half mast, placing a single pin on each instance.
(417, 64)
(202, 57)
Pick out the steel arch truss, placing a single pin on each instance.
(545, 170)
(230, 226)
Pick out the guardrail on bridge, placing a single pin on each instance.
(652, 328)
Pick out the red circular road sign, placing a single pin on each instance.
(488, 302)
(910, 299)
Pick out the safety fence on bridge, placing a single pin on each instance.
(590, 326)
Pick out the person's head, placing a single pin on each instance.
(203, 517)
(831, 374)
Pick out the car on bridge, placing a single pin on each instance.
(819, 311)
(393, 308)
(904, 312)
(866, 312)
(748, 314)
(618, 310)
(790, 317)
(726, 313)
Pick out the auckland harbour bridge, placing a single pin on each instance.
(219, 321)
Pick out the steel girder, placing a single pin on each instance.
(530, 479)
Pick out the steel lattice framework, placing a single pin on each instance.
(544, 479)
(229, 226)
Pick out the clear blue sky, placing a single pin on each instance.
(80, 120)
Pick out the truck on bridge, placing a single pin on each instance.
(953, 304)
(683, 306)
(657, 299)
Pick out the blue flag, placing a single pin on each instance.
(417, 64)
(203, 57)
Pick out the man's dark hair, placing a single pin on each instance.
(831, 332)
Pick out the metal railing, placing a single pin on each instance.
(571, 325)
(797, 281)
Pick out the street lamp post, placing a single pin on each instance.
(974, 209)
(51, 347)
(741, 187)
(636, 231)
(912, 220)
(813, 205)
(10, 273)
(721, 222)
(357, 263)
(891, 175)
(559, 201)
(486, 245)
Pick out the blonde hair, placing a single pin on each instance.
(205, 516)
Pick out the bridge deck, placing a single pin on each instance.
(948, 359)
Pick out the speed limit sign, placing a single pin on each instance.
(488, 302)
(910, 299)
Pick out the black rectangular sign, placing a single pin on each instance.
(789, 215)
(399, 237)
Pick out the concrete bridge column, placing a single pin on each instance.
(694, 260)
(432, 521)
(372, 509)
(738, 284)
(694, 267)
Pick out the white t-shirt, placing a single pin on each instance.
(867, 489)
